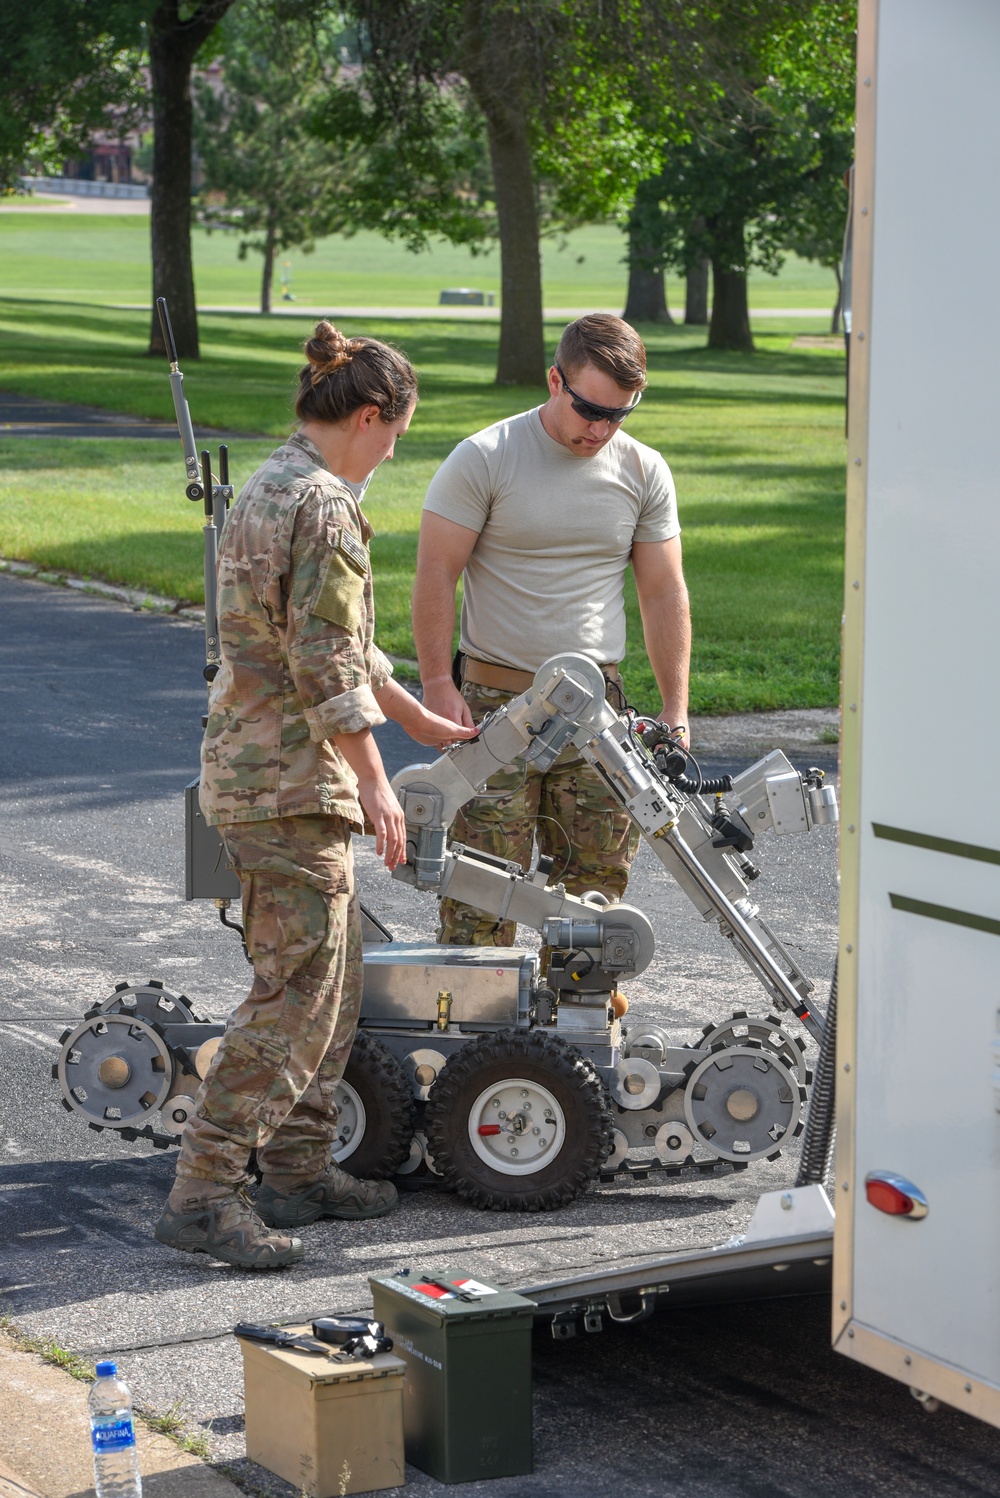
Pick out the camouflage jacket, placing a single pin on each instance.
(295, 631)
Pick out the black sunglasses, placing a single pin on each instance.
(590, 412)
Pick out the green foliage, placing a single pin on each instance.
(760, 170)
(424, 176)
(280, 187)
(823, 67)
(589, 157)
(68, 69)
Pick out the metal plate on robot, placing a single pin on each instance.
(786, 802)
(403, 981)
(587, 1019)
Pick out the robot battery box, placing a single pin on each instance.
(207, 871)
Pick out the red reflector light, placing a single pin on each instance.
(488, 1129)
(889, 1198)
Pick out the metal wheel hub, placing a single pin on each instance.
(743, 1103)
(150, 1002)
(351, 1121)
(115, 1070)
(517, 1127)
(766, 1031)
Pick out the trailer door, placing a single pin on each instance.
(917, 1257)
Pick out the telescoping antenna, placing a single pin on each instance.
(201, 486)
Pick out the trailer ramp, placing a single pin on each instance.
(786, 1250)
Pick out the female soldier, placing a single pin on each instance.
(288, 763)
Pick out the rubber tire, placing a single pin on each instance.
(567, 1074)
(390, 1112)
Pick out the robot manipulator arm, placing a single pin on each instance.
(565, 699)
(565, 704)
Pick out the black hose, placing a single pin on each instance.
(708, 786)
(235, 926)
(818, 1139)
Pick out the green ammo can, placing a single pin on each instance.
(467, 1385)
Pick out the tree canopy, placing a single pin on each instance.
(267, 176)
(760, 169)
(69, 69)
(715, 130)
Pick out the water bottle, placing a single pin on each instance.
(112, 1435)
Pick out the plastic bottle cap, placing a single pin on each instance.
(107, 1370)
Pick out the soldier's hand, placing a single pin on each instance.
(678, 729)
(443, 699)
(429, 728)
(386, 816)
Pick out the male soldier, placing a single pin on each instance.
(540, 515)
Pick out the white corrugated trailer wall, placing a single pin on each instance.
(920, 832)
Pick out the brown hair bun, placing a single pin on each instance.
(328, 350)
(345, 373)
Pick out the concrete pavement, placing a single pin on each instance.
(45, 1440)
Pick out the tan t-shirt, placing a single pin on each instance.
(556, 532)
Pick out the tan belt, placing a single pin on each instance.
(506, 678)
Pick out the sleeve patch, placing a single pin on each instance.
(353, 551)
(341, 590)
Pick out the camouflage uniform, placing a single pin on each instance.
(590, 838)
(298, 667)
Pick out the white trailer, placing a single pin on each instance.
(916, 1262)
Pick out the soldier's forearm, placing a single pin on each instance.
(666, 621)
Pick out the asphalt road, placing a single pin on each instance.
(101, 709)
(27, 416)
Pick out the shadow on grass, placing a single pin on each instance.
(813, 483)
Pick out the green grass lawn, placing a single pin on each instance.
(755, 442)
(98, 258)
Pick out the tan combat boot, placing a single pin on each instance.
(221, 1221)
(285, 1202)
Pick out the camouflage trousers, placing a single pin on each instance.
(271, 1085)
(590, 839)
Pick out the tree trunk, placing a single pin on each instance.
(173, 43)
(696, 293)
(835, 317)
(267, 275)
(730, 324)
(647, 296)
(646, 300)
(521, 356)
(493, 64)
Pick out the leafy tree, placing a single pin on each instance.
(281, 186)
(427, 61)
(69, 69)
(490, 121)
(763, 165)
(573, 98)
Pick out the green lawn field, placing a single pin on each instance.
(105, 259)
(755, 443)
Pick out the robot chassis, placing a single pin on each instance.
(507, 1075)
